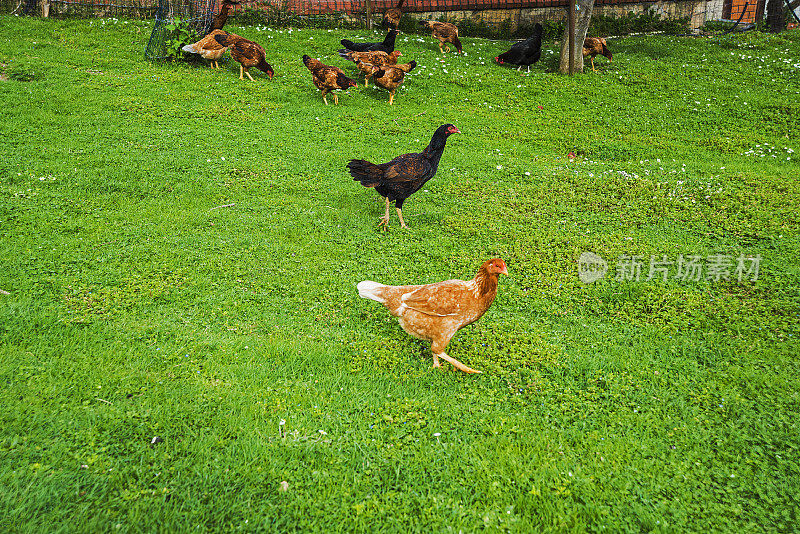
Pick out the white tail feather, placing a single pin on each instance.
(189, 48)
(367, 290)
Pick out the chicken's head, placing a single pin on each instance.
(451, 129)
(496, 266)
(266, 68)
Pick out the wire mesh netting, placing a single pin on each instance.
(487, 18)
(357, 9)
(195, 16)
(489, 11)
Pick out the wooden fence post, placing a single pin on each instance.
(369, 14)
(571, 37)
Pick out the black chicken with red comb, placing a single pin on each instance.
(403, 176)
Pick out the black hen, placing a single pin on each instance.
(386, 46)
(400, 178)
(524, 53)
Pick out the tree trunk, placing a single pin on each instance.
(583, 18)
(776, 20)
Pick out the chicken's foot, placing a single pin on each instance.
(241, 70)
(460, 366)
(335, 98)
(248, 75)
(391, 98)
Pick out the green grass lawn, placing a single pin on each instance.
(180, 251)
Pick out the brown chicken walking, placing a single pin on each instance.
(435, 312)
(327, 78)
(444, 32)
(247, 53)
(595, 46)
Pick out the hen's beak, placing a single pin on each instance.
(504, 271)
(456, 130)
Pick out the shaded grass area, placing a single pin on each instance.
(181, 251)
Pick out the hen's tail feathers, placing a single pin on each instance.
(347, 44)
(371, 290)
(365, 172)
(190, 48)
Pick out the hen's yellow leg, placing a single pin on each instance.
(460, 366)
(384, 222)
(399, 214)
(248, 75)
(241, 70)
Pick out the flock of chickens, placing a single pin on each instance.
(432, 312)
(375, 60)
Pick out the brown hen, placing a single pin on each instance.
(595, 46)
(327, 78)
(389, 77)
(222, 17)
(391, 19)
(444, 32)
(435, 312)
(208, 48)
(365, 61)
(247, 53)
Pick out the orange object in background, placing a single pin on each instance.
(753, 10)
